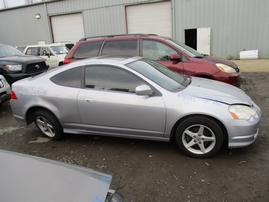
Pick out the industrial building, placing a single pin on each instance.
(217, 27)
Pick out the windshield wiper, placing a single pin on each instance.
(198, 56)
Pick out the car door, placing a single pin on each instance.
(161, 52)
(108, 104)
(46, 53)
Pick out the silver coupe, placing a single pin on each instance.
(134, 97)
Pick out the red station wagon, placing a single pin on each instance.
(169, 52)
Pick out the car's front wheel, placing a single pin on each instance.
(48, 124)
(199, 137)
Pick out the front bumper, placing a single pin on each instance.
(11, 78)
(232, 79)
(243, 133)
(243, 141)
(4, 97)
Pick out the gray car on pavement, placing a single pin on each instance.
(134, 97)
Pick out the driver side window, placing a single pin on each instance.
(157, 51)
(110, 78)
(45, 51)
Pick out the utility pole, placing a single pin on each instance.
(5, 5)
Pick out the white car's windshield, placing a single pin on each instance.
(60, 49)
(186, 49)
(8, 51)
(159, 74)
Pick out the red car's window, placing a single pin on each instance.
(87, 50)
(123, 48)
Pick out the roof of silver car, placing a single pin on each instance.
(107, 60)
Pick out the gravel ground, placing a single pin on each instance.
(157, 171)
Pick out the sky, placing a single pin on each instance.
(12, 3)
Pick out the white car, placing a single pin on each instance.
(4, 90)
(53, 53)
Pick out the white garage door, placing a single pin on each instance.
(67, 27)
(153, 18)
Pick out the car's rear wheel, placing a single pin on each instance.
(199, 137)
(48, 124)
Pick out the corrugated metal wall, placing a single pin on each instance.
(20, 27)
(235, 24)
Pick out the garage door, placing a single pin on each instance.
(153, 18)
(67, 27)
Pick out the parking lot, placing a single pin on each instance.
(157, 171)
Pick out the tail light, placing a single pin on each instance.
(13, 96)
(66, 61)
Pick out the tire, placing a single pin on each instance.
(48, 124)
(199, 137)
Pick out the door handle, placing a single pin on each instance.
(89, 100)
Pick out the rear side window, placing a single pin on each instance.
(32, 51)
(86, 50)
(123, 48)
(69, 78)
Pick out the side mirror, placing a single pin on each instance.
(176, 58)
(143, 90)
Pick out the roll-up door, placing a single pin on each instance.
(152, 18)
(67, 27)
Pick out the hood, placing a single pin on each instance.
(217, 91)
(22, 59)
(221, 60)
(27, 178)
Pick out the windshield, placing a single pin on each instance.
(7, 51)
(159, 74)
(60, 49)
(186, 49)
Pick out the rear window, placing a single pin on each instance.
(125, 47)
(86, 50)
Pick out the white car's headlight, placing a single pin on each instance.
(241, 112)
(14, 67)
(225, 68)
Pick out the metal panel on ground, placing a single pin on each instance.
(67, 27)
(153, 18)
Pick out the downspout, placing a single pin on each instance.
(48, 23)
(173, 19)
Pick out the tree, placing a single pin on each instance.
(30, 1)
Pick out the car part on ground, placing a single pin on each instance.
(171, 53)
(137, 98)
(53, 53)
(5, 90)
(28, 178)
(14, 65)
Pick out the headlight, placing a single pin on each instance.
(225, 68)
(1, 84)
(241, 112)
(14, 67)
